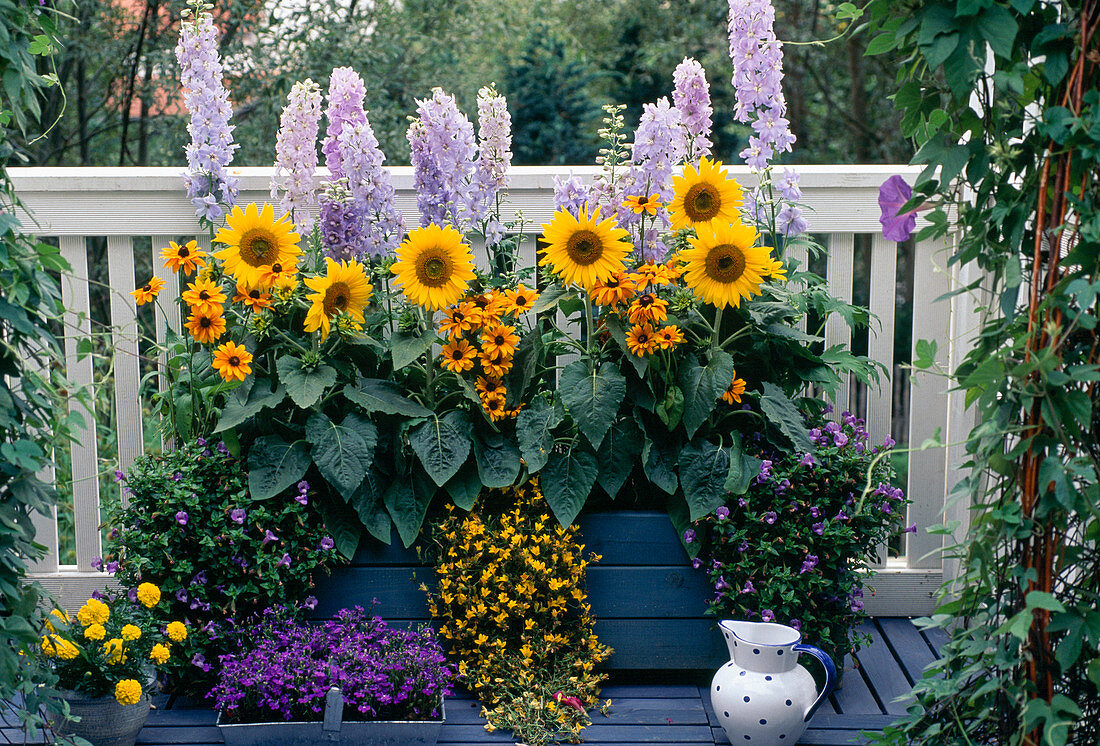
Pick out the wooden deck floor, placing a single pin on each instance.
(663, 713)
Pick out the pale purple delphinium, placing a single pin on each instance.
(493, 159)
(346, 92)
(371, 193)
(296, 154)
(659, 147)
(691, 96)
(571, 195)
(209, 186)
(442, 150)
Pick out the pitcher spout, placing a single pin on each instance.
(733, 630)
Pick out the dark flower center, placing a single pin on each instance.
(336, 298)
(205, 322)
(183, 253)
(147, 288)
(725, 263)
(702, 203)
(584, 247)
(234, 361)
(256, 247)
(433, 267)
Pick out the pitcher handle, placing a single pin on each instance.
(830, 675)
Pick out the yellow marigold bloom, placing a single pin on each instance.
(499, 338)
(641, 340)
(206, 328)
(148, 291)
(641, 203)
(489, 385)
(186, 257)
(204, 297)
(128, 692)
(159, 654)
(648, 307)
(494, 406)
(733, 393)
(343, 289)
(95, 632)
(232, 361)
(616, 289)
(64, 649)
(93, 611)
(177, 631)
(254, 240)
(458, 320)
(520, 300)
(434, 266)
(148, 594)
(723, 266)
(254, 298)
(131, 632)
(495, 365)
(668, 337)
(704, 195)
(458, 356)
(583, 250)
(58, 614)
(115, 651)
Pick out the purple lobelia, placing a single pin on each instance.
(493, 159)
(442, 150)
(209, 186)
(691, 96)
(296, 154)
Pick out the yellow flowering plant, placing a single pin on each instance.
(110, 645)
(510, 600)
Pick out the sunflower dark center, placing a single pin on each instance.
(725, 263)
(336, 298)
(146, 287)
(702, 203)
(183, 253)
(205, 322)
(256, 247)
(584, 247)
(433, 267)
(234, 361)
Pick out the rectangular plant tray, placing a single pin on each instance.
(374, 733)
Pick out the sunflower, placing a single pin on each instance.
(641, 339)
(616, 289)
(486, 386)
(254, 298)
(487, 308)
(458, 320)
(495, 407)
(277, 274)
(458, 356)
(733, 393)
(186, 257)
(204, 296)
(583, 250)
(668, 337)
(704, 195)
(499, 338)
(206, 328)
(641, 203)
(148, 291)
(723, 266)
(343, 289)
(254, 240)
(652, 274)
(495, 365)
(648, 307)
(434, 266)
(232, 360)
(520, 300)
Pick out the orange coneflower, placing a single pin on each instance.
(204, 296)
(206, 328)
(489, 307)
(648, 307)
(641, 340)
(669, 336)
(520, 300)
(275, 274)
(495, 365)
(641, 203)
(254, 298)
(458, 356)
(232, 360)
(148, 291)
(614, 290)
(733, 393)
(494, 406)
(458, 320)
(499, 338)
(186, 257)
(487, 386)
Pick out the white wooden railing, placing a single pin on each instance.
(141, 209)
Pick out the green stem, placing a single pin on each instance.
(717, 326)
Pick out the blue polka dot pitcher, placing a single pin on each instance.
(763, 696)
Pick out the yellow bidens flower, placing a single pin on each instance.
(206, 328)
(458, 356)
(93, 611)
(128, 692)
(343, 289)
(115, 651)
(204, 297)
(148, 291)
(186, 257)
(704, 195)
(723, 266)
(148, 595)
(254, 241)
(733, 393)
(583, 250)
(177, 631)
(159, 654)
(434, 266)
(95, 632)
(232, 361)
(130, 632)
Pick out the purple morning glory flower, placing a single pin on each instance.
(177, 476)
(132, 595)
(795, 624)
(303, 486)
(748, 587)
(120, 476)
(857, 604)
(268, 537)
(722, 512)
(181, 518)
(889, 442)
(842, 516)
(200, 578)
(200, 441)
(310, 602)
(911, 530)
(741, 502)
(885, 507)
(181, 596)
(744, 545)
(111, 567)
(327, 543)
(237, 515)
(301, 498)
(808, 564)
(284, 562)
(697, 563)
(894, 193)
(96, 563)
(840, 440)
(818, 528)
(689, 536)
(767, 615)
(770, 517)
(223, 449)
(722, 585)
(806, 460)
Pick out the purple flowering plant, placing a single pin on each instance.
(798, 545)
(282, 667)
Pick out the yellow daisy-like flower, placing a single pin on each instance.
(232, 361)
(641, 203)
(93, 612)
(723, 266)
(254, 298)
(128, 692)
(458, 320)
(668, 337)
(458, 356)
(277, 274)
(183, 258)
(130, 632)
(641, 340)
(206, 328)
(653, 275)
(177, 631)
(115, 651)
(520, 300)
(204, 297)
(159, 654)
(343, 289)
(735, 390)
(648, 307)
(495, 365)
(64, 649)
(616, 289)
(434, 266)
(148, 291)
(499, 338)
(704, 195)
(254, 241)
(494, 407)
(486, 386)
(583, 250)
(488, 307)
(95, 632)
(148, 595)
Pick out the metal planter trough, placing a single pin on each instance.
(333, 729)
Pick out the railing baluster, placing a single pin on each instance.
(127, 367)
(838, 274)
(166, 314)
(884, 262)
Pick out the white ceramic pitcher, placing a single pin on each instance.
(763, 697)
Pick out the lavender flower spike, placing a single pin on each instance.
(442, 147)
(296, 153)
(659, 146)
(494, 157)
(372, 194)
(345, 106)
(209, 186)
(691, 96)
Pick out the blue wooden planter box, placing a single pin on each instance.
(648, 601)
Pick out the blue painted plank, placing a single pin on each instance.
(854, 696)
(909, 647)
(638, 538)
(661, 691)
(679, 644)
(936, 639)
(883, 672)
(179, 735)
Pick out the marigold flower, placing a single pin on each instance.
(115, 651)
(128, 692)
(148, 291)
(148, 594)
(735, 390)
(458, 356)
(641, 339)
(130, 632)
(183, 258)
(176, 631)
(159, 654)
(93, 611)
(204, 297)
(232, 361)
(206, 328)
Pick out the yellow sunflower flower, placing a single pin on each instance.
(704, 195)
(434, 266)
(616, 289)
(520, 300)
(499, 338)
(641, 340)
(735, 390)
(206, 328)
(183, 258)
(254, 298)
(128, 692)
(254, 240)
(458, 356)
(344, 289)
(232, 361)
(723, 266)
(458, 320)
(204, 297)
(148, 291)
(583, 250)
(148, 594)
